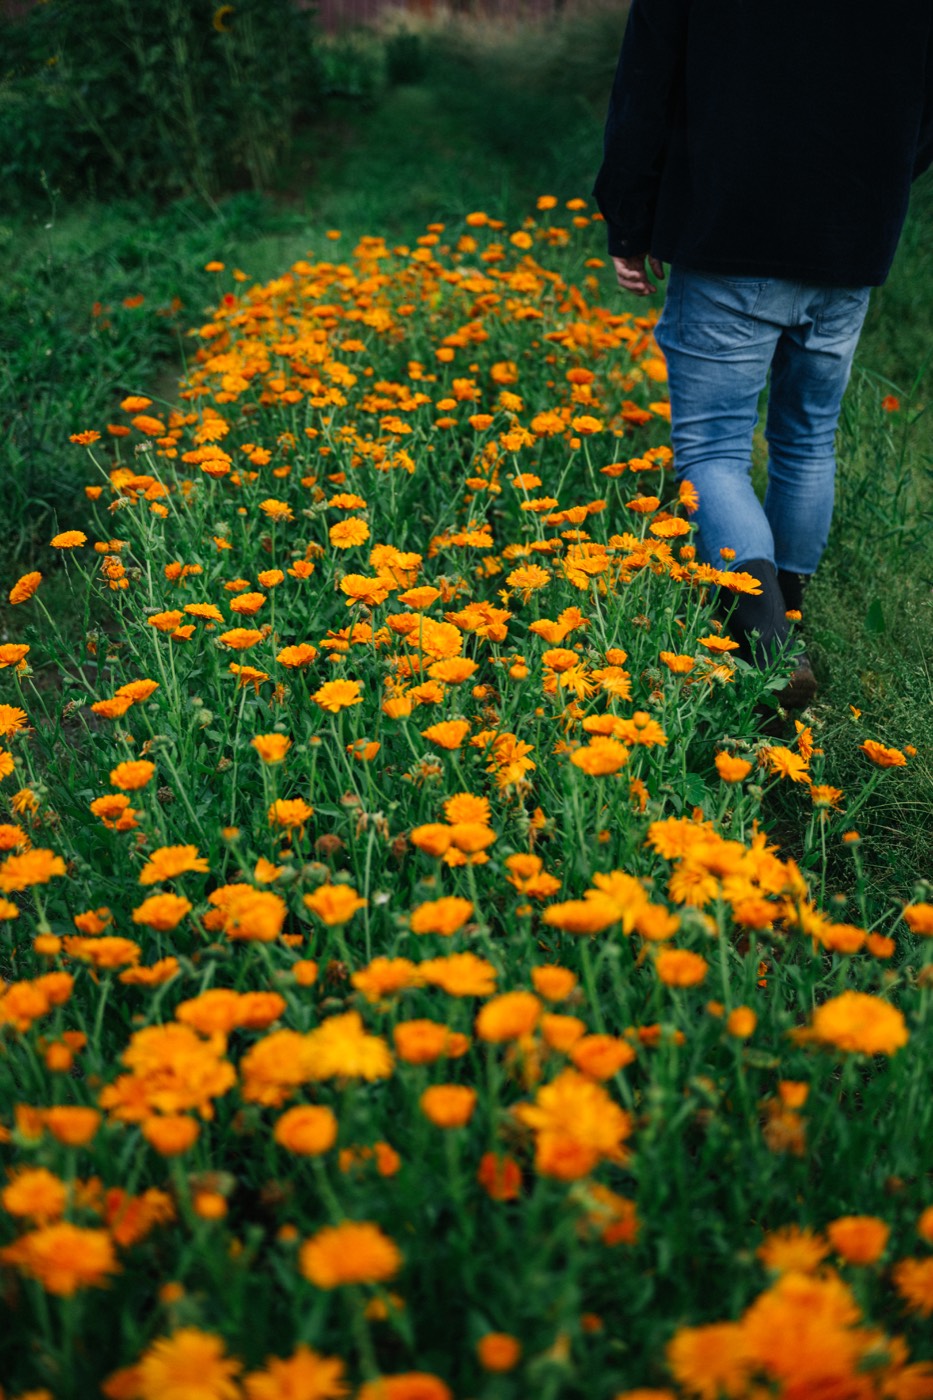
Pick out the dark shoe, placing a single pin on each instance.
(801, 688)
(793, 587)
(764, 614)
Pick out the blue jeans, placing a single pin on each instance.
(720, 337)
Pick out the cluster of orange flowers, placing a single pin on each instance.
(450, 761)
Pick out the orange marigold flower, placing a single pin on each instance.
(710, 1361)
(859, 1023)
(553, 983)
(784, 763)
(188, 1363)
(919, 918)
(171, 1135)
(500, 1177)
(449, 734)
(882, 757)
(913, 1279)
(732, 769)
(792, 1250)
(64, 1258)
(411, 1385)
(442, 916)
(460, 975)
(297, 656)
(240, 638)
(353, 1252)
(601, 1056)
(34, 1192)
(448, 1105)
(289, 812)
(162, 912)
(859, 1239)
(576, 1124)
(302, 1376)
(69, 539)
(34, 867)
(498, 1351)
(25, 587)
(600, 757)
(422, 1042)
(507, 1017)
(335, 905)
(71, 1124)
(276, 510)
(133, 774)
(271, 748)
(166, 862)
(678, 967)
(12, 719)
(308, 1130)
(335, 696)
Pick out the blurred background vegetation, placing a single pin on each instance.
(141, 140)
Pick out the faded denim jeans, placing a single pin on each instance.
(721, 336)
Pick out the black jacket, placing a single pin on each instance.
(769, 137)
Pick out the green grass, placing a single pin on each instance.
(501, 115)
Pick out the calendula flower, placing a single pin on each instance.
(441, 916)
(498, 1352)
(64, 1257)
(271, 748)
(448, 1105)
(302, 1376)
(859, 1023)
(354, 1252)
(189, 1363)
(34, 867)
(335, 905)
(678, 967)
(133, 774)
(449, 734)
(913, 1279)
(731, 768)
(162, 912)
(335, 696)
(69, 539)
(308, 1130)
(882, 757)
(35, 1193)
(168, 862)
(858, 1239)
(25, 587)
(12, 719)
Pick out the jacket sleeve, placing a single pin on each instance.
(641, 108)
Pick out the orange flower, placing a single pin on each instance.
(133, 774)
(741, 1022)
(881, 756)
(271, 748)
(188, 1363)
(422, 1042)
(441, 916)
(732, 769)
(167, 862)
(64, 1258)
(576, 1125)
(25, 587)
(411, 1385)
(303, 1376)
(500, 1177)
(335, 696)
(600, 757)
(859, 1239)
(601, 1056)
(350, 1253)
(72, 1125)
(69, 539)
(859, 1023)
(507, 1017)
(460, 975)
(677, 967)
(308, 1130)
(498, 1351)
(35, 1193)
(449, 734)
(171, 1135)
(553, 983)
(347, 533)
(34, 867)
(448, 1105)
(334, 904)
(162, 911)
(919, 918)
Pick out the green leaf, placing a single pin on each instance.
(874, 618)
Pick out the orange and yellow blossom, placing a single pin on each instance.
(353, 1252)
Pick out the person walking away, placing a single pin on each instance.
(765, 150)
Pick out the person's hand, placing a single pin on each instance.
(632, 276)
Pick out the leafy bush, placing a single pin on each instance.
(153, 96)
